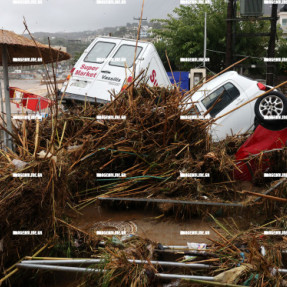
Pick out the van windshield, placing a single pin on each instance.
(99, 52)
(125, 54)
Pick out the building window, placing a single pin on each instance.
(284, 22)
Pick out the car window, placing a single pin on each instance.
(124, 54)
(99, 52)
(232, 90)
(193, 110)
(220, 98)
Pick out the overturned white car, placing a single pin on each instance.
(228, 92)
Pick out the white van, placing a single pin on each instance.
(106, 67)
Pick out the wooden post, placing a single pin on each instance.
(229, 37)
(271, 47)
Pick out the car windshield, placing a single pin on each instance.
(220, 99)
(99, 52)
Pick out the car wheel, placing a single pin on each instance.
(272, 104)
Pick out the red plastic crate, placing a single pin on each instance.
(29, 101)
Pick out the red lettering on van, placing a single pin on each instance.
(89, 68)
(78, 73)
(152, 78)
(86, 73)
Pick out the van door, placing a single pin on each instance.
(117, 69)
(89, 66)
(222, 100)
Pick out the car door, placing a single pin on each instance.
(223, 99)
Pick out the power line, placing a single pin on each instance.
(238, 55)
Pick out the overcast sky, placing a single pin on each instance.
(77, 15)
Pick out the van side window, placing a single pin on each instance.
(99, 52)
(125, 54)
(220, 99)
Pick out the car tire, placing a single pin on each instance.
(274, 126)
(271, 104)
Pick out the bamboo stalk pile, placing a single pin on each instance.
(116, 267)
(152, 146)
(246, 258)
(236, 258)
(261, 253)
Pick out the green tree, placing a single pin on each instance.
(254, 46)
(182, 36)
(282, 52)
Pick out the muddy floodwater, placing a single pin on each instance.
(145, 222)
(148, 223)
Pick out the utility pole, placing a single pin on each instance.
(234, 13)
(271, 47)
(205, 39)
(138, 19)
(229, 37)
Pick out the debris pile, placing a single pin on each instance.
(139, 138)
(235, 258)
(149, 151)
(248, 258)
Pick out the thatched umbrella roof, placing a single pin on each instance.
(15, 46)
(21, 47)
